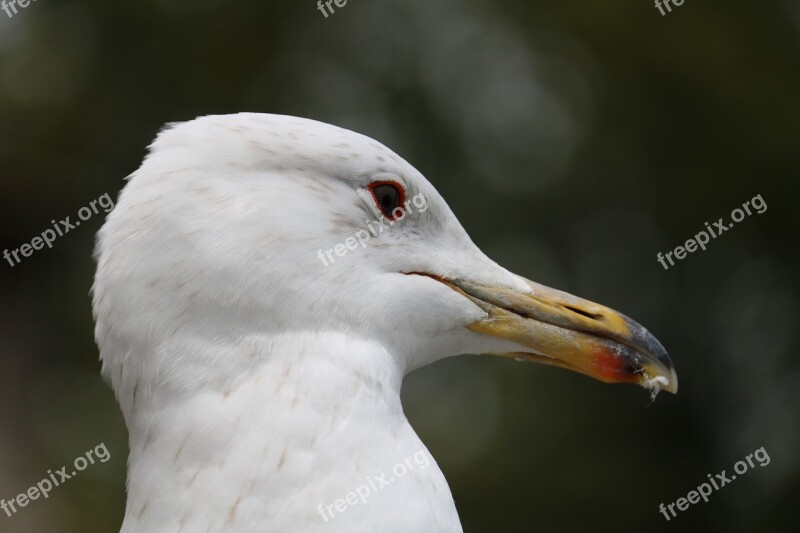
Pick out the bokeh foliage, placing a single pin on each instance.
(574, 140)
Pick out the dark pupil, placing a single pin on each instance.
(388, 198)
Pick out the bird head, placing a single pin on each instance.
(265, 223)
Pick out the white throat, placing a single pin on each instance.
(314, 439)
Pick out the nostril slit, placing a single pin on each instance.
(593, 316)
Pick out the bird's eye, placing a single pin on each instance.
(390, 198)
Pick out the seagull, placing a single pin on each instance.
(260, 385)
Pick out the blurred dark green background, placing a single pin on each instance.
(574, 139)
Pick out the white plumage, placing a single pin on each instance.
(257, 384)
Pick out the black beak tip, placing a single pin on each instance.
(646, 342)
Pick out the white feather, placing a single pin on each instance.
(256, 383)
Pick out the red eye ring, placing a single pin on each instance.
(389, 196)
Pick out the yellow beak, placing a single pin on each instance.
(566, 331)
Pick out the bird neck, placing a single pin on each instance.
(279, 442)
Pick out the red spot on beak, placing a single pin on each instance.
(612, 367)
